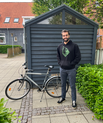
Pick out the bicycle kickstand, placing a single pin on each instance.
(42, 96)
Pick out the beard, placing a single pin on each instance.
(67, 39)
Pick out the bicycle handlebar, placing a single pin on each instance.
(29, 70)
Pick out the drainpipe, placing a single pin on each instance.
(8, 36)
(12, 43)
(25, 43)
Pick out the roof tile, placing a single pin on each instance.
(14, 10)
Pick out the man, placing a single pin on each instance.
(68, 55)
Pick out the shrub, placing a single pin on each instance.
(3, 48)
(6, 115)
(90, 86)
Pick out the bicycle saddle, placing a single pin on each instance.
(51, 66)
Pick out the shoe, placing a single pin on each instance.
(74, 105)
(61, 100)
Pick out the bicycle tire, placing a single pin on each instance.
(17, 89)
(53, 87)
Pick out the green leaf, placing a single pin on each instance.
(6, 114)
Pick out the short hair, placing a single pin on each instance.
(65, 30)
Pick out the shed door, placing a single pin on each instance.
(45, 39)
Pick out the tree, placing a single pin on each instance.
(94, 10)
(88, 7)
(42, 6)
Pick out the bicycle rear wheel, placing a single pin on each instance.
(17, 89)
(53, 87)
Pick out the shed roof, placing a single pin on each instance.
(59, 9)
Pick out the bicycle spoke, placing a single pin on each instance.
(17, 89)
(21, 85)
(53, 87)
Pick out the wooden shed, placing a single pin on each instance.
(43, 35)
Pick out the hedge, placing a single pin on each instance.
(3, 48)
(90, 85)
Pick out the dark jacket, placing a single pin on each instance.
(68, 55)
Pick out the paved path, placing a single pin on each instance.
(30, 107)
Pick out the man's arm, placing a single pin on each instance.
(58, 56)
(77, 56)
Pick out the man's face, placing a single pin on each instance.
(65, 36)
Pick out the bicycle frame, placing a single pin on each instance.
(31, 73)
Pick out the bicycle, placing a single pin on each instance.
(19, 88)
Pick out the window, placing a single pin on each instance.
(56, 19)
(7, 19)
(26, 19)
(2, 38)
(15, 39)
(71, 20)
(16, 20)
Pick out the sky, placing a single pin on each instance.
(16, 0)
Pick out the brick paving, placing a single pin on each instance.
(26, 110)
(58, 110)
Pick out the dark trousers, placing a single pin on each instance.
(71, 74)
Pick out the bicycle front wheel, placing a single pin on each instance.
(17, 89)
(53, 87)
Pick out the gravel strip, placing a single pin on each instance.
(26, 108)
(58, 110)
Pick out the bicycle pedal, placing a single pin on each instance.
(39, 90)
